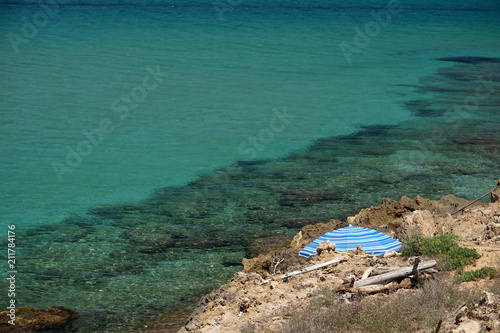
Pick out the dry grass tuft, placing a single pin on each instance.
(399, 312)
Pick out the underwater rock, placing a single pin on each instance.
(29, 319)
(299, 223)
(266, 243)
(208, 242)
(479, 144)
(294, 197)
(422, 108)
(149, 238)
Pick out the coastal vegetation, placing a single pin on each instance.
(443, 248)
(403, 311)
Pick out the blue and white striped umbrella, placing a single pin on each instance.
(349, 238)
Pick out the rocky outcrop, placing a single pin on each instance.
(493, 228)
(390, 213)
(425, 223)
(325, 247)
(311, 232)
(29, 319)
(266, 264)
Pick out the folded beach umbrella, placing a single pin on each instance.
(350, 237)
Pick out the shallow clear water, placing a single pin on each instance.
(210, 92)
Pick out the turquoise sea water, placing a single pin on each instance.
(146, 146)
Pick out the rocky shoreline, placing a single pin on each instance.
(245, 304)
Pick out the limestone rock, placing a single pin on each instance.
(311, 232)
(325, 247)
(405, 283)
(445, 205)
(493, 227)
(391, 254)
(424, 223)
(487, 298)
(391, 212)
(388, 211)
(468, 326)
(360, 251)
(258, 264)
(264, 264)
(419, 223)
(296, 241)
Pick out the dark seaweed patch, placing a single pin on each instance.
(422, 108)
(471, 60)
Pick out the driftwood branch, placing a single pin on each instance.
(305, 270)
(276, 262)
(370, 289)
(367, 273)
(473, 202)
(405, 271)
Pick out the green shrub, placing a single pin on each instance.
(475, 275)
(442, 247)
(428, 246)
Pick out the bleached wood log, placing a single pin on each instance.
(305, 270)
(370, 289)
(383, 270)
(405, 271)
(387, 269)
(367, 273)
